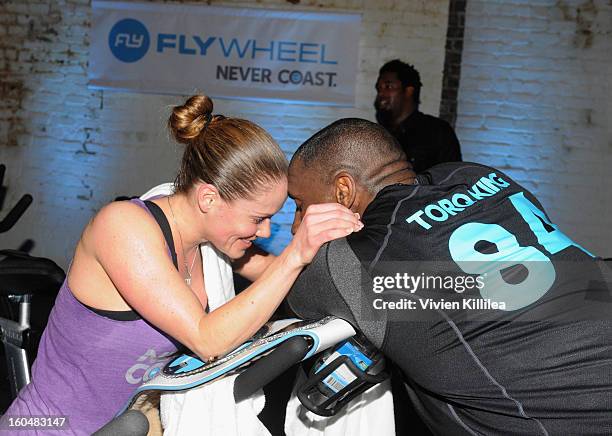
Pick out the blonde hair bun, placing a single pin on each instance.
(188, 120)
(236, 156)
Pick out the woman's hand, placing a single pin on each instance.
(320, 224)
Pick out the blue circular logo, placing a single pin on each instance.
(129, 40)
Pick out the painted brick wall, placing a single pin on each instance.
(75, 149)
(534, 101)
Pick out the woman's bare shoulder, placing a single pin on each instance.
(121, 222)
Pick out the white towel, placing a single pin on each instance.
(210, 409)
(370, 413)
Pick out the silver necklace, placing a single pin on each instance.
(187, 269)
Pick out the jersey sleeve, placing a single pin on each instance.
(333, 284)
(314, 294)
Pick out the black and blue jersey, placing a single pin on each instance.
(500, 323)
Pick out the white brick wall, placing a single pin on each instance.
(75, 149)
(534, 101)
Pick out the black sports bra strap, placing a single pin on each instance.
(161, 219)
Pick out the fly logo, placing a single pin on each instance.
(129, 40)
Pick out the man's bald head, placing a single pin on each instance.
(359, 147)
(348, 162)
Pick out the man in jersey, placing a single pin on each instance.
(499, 322)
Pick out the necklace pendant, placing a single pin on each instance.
(188, 281)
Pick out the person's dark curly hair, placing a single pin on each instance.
(407, 74)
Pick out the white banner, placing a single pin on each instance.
(243, 53)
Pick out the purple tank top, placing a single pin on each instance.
(89, 365)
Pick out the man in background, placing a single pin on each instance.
(426, 140)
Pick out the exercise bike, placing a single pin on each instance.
(28, 287)
(347, 366)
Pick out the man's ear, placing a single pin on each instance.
(345, 189)
(409, 91)
(207, 196)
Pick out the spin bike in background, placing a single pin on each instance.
(28, 287)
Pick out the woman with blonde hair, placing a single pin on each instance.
(135, 289)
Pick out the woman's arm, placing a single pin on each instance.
(252, 265)
(130, 248)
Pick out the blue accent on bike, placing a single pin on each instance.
(184, 364)
(268, 346)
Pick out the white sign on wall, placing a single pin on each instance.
(225, 52)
